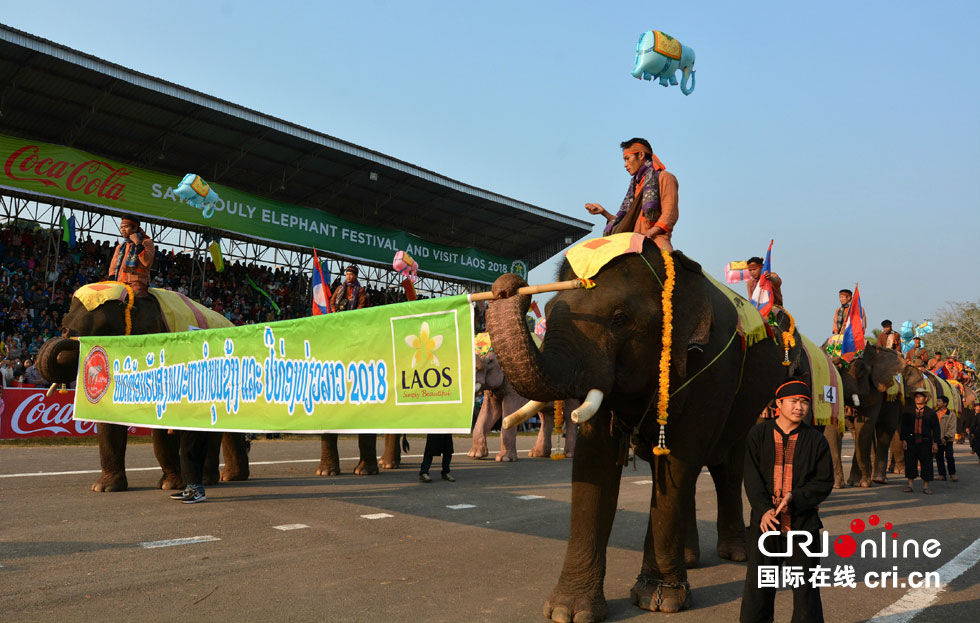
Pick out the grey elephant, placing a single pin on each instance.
(605, 343)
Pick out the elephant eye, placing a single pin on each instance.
(619, 318)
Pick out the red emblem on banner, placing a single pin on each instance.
(95, 374)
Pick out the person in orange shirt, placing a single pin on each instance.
(133, 257)
(650, 205)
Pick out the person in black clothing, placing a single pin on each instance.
(920, 440)
(437, 443)
(788, 472)
(193, 452)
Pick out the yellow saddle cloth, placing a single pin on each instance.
(826, 386)
(179, 312)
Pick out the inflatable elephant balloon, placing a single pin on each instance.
(658, 55)
(198, 193)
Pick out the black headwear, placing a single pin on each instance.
(792, 389)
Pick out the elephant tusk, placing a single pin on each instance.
(585, 412)
(523, 414)
(477, 388)
(857, 401)
(51, 389)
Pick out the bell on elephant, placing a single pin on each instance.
(658, 55)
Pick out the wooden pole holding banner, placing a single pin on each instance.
(557, 286)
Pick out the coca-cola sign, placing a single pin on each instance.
(28, 412)
(89, 177)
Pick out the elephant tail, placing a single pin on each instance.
(405, 446)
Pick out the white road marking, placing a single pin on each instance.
(377, 516)
(457, 507)
(291, 526)
(642, 482)
(530, 497)
(918, 599)
(172, 542)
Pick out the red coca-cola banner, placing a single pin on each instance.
(27, 412)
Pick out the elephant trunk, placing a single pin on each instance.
(527, 370)
(57, 360)
(688, 72)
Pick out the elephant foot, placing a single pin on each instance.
(852, 482)
(658, 595)
(233, 475)
(865, 484)
(478, 452)
(170, 481)
(506, 457)
(111, 482)
(328, 469)
(692, 557)
(536, 453)
(569, 607)
(366, 469)
(390, 464)
(733, 550)
(880, 480)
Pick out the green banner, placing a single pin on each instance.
(394, 368)
(63, 172)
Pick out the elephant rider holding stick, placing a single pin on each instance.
(788, 472)
(650, 205)
(133, 257)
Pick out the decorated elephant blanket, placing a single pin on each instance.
(179, 312)
(825, 384)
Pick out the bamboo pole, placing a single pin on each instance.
(557, 286)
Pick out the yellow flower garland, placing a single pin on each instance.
(668, 325)
(558, 451)
(788, 340)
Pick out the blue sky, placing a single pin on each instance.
(849, 132)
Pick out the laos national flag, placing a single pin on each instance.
(762, 296)
(853, 329)
(321, 296)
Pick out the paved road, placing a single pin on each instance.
(68, 554)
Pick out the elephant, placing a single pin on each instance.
(57, 361)
(500, 398)
(367, 446)
(658, 55)
(604, 343)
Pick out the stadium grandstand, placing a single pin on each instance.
(84, 141)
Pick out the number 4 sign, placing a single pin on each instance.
(830, 394)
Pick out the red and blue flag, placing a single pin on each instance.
(762, 296)
(853, 341)
(321, 295)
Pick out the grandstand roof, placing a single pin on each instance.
(51, 93)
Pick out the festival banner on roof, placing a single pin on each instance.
(394, 368)
(62, 172)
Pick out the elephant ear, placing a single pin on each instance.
(693, 313)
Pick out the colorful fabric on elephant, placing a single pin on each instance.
(823, 373)
(481, 343)
(666, 45)
(183, 314)
(587, 258)
(751, 326)
(656, 191)
(897, 390)
(94, 294)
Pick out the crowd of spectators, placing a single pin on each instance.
(36, 289)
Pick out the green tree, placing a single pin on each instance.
(957, 328)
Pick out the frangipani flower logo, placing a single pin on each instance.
(424, 346)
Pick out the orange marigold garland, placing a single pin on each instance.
(668, 325)
(558, 450)
(788, 340)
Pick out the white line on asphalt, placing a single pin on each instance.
(530, 497)
(457, 507)
(291, 526)
(642, 482)
(918, 599)
(377, 516)
(172, 542)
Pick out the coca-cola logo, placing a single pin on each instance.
(35, 414)
(95, 374)
(91, 177)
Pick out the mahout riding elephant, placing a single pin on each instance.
(604, 343)
(57, 361)
(499, 399)
(367, 445)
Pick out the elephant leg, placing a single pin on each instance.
(897, 454)
(832, 434)
(234, 447)
(484, 422)
(367, 445)
(509, 403)
(662, 584)
(727, 477)
(329, 456)
(211, 459)
(861, 461)
(692, 541)
(542, 445)
(112, 457)
(167, 450)
(392, 457)
(595, 491)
